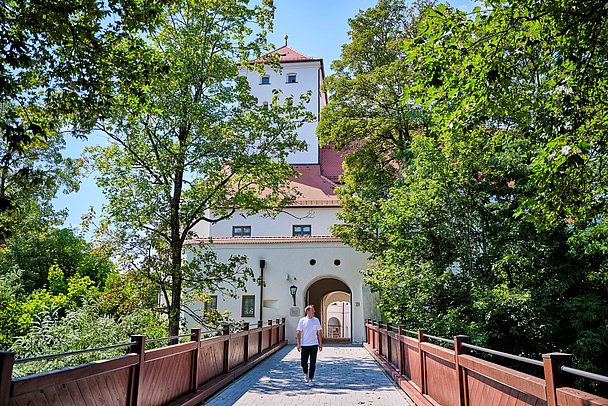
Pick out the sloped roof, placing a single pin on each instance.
(286, 55)
(314, 188)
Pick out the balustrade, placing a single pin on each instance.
(190, 371)
(432, 374)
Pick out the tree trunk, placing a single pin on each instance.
(176, 250)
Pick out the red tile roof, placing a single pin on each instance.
(331, 163)
(263, 240)
(314, 188)
(287, 54)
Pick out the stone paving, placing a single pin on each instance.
(346, 375)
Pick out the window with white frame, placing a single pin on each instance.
(291, 78)
(265, 80)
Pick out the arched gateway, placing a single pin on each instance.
(332, 300)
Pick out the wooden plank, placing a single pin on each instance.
(166, 379)
(236, 352)
(75, 393)
(253, 344)
(438, 351)
(208, 342)
(211, 361)
(575, 397)
(85, 391)
(170, 351)
(510, 377)
(36, 382)
(487, 391)
(65, 396)
(442, 381)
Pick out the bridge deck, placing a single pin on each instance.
(346, 375)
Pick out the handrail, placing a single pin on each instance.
(445, 340)
(109, 347)
(156, 340)
(584, 374)
(65, 354)
(504, 354)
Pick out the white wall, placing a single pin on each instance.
(293, 259)
(319, 218)
(307, 79)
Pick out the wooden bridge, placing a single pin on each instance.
(190, 372)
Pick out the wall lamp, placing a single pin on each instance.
(293, 289)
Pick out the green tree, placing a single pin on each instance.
(491, 222)
(36, 252)
(366, 116)
(60, 61)
(190, 144)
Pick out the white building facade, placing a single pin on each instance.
(295, 251)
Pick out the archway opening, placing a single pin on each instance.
(332, 300)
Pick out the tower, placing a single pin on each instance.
(294, 253)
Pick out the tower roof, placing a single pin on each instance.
(287, 54)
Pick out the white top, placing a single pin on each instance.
(309, 328)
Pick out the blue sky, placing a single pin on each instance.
(316, 28)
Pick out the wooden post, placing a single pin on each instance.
(461, 373)
(402, 352)
(270, 334)
(246, 344)
(380, 338)
(374, 336)
(553, 377)
(260, 336)
(7, 360)
(283, 329)
(226, 332)
(366, 331)
(196, 336)
(422, 359)
(138, 346)
(389, 345)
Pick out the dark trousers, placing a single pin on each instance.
(309, 351)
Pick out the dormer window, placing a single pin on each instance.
(301, 230)
(265, 80)
(291, 78)
(241, 231)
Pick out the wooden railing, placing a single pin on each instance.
(180, 374)
(434, 375)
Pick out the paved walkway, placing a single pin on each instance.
(345, 375)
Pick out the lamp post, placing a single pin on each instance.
(293, 289)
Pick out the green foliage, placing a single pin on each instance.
(60, 62)
(79, 329)
(36, 253)
(188, 142)
(490, 219)
(125, 293)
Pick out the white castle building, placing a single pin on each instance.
(299, 260)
